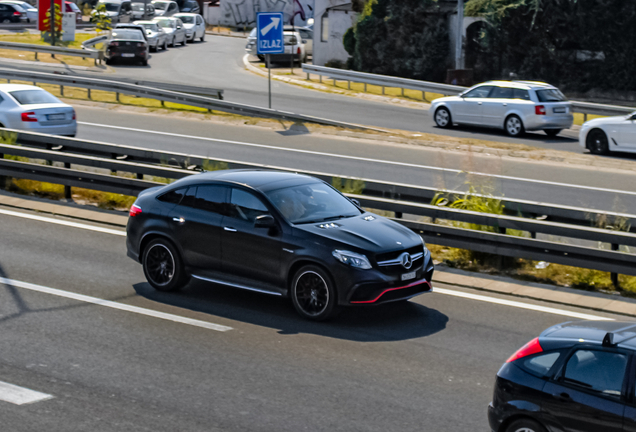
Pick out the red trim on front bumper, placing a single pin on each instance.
(423, 281)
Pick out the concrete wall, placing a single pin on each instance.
(243, 12)
(452, 29)
(339, 23)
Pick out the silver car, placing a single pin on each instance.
(155, 35)
(514, 106)
(175, 32)
(35, 110)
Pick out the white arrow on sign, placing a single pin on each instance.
(268, 27)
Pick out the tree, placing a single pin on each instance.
(101, 18)
(57, 27)
(406, 38)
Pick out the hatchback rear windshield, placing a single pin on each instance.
(128, 34)
(33, 97)
(551, 95)
(138, 7)
(165, 23)
(186, 19)
(111, 7)
(150, 26)
(160, 4)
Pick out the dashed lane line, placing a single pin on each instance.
(19, 395)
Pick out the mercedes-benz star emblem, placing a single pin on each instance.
(406, 260)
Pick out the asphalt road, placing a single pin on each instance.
(425, 365)
(378, 160)
(218, 63)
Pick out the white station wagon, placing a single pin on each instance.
(514, 106)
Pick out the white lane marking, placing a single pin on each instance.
(114, 305)
(63, 222)
(19, 395)
(521, 305)
(363, 159)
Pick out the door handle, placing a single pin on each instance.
(179, 219)
(563, 397)
(230, 229)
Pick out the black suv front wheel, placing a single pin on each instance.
(313, 293)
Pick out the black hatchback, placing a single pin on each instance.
(277, 233)
(575, 377)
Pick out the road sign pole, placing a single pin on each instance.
(269, 80)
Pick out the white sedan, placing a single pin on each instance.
(33, 109)
(193, 24)
(607, 134)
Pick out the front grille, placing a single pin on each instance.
(395, 254)
(389, 263)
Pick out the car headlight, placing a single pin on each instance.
(426, 251)
(352, 259)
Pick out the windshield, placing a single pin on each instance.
(186, 19)
(551, 95)
(165, 23)
(316, 202)
(253, 33)
(111, 7)
(290, 39)
(33, 97)
(139, 7)
(149, 26)
(127, 34)
(160, 4)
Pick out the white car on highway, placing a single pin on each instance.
(173, 27)
(604, 135)
(514, 106)
(193, 24)
(155, 35)
(33, 109)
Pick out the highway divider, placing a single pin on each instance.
(596, 248)
(47, 49)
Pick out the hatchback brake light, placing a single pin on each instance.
(539, 110)
(298, 51)
(74, 115)
(16, 13)
(135, 210)
(28, 117)
(532, 347)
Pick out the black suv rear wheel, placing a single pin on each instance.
(525, 425)
(162, 266)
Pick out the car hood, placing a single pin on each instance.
(188, 26)
(447, 99)
(368, 232)
(604, 120)
(168, 30)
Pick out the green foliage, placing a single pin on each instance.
(101, 18)
(7, 137)
(57, 27)
(348, 186)
(472, 201)
(210, 165)
(349, 41)
(577, 45)
(404, 38)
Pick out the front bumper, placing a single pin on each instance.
(495, 419)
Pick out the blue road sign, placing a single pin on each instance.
(269, 30)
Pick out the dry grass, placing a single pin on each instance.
(45, 58)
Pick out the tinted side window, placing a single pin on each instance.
(541, 364)
(501, 93)
(245, 206)
(479, 92)
(188, 199)
(521, 94)
(597, 370)
(173, 197)
(211, 198)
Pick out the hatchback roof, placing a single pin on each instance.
(14, 87)
(526, 85)
(594, 331)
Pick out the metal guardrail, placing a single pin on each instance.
(444, 89)
(46, 49)
(165, 95)
(73, 153)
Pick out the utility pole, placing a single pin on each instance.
(459, 58)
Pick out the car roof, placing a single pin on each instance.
(186, 14)
(525, 85)
(14, 87)
(263, 180)
(624, 332)
(140, 22)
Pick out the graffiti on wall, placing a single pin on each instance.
(243, 12)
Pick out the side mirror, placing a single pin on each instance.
(264, 221)
(356, 202)
(178, 27)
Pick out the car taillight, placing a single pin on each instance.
(29, 117)
(113, 44)
(532, 347)
(74, 116)
(140, 44)
(298, 51)
(16, 13)
(539, 110)
(135, 210)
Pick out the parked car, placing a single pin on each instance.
(165, 8)
(138, 11)
(155, 35)
(133, 26)
(34, 109)
(193, 24)
(190, 7)
(514, 106)
(294, 49)
(31, 12)
(576, 376)
(70, 7)
(307, 36)
(12, 13)
(276, 233)
(173, 27)
(250, 47)
(127, 44)
(118, 11)
(608, 134)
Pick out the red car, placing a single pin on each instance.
(72, 7)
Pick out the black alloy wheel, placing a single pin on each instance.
(313, 294)
(597, 142)
(552, 132)
(443, 118)
(162, 266)
(525, 425)
(514, 126)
